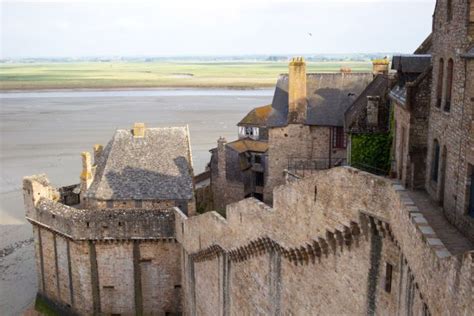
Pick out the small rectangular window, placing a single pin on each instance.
(259, 179)
(470, 191)
(258, 159)
(434, 171)
(338, 137)
(138, 203)
(388, 277)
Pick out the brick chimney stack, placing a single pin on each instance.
(86, 174)
(297, 96)
(380, 66)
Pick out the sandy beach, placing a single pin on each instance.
(45, 132)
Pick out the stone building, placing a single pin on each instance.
(411, 101)
(115, 251)
(254, 124)
(367, 122)
(301, 131)
(433, 114)
(450, 153)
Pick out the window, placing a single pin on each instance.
(449, 85)
(258, 159)
(470, 191)
(138, 203)
(259, 179)
(388, 277)
(449, 10)
(249, 131)
(435, 163)
(439, 88)
(338, 137)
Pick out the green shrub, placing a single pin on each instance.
(371, 152)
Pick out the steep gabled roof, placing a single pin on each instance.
(426, 47)
(329, 95)
(378, 87)
(156, 166)
(411, 63)
(257, 117)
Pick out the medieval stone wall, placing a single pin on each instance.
(453, 128)
(103, 261)
(324, 246)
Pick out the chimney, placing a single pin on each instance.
(221, 161)
(138, 130)
(380, 66)
(373, 103)
(86, 174)
(297, 97)
(97, 152)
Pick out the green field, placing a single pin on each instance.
(105, 75)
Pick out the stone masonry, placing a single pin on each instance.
(452, 112)
(325, 247)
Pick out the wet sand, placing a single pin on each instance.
(45, 132)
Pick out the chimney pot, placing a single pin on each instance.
(139, 130)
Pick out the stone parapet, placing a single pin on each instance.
(44, 210)
(326, 211)
(86, 224)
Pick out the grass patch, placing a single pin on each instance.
(44, 308)
(155, 74)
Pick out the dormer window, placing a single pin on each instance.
(249, 132)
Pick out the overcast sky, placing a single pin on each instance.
(210, 27)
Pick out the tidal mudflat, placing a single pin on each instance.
(45, 132)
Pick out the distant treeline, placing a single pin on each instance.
(238, 58)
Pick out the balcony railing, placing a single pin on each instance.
(371, 169)
(303, 167)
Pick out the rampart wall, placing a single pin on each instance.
(326, 246)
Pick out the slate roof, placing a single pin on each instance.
(329, 95)
(426, 47)
(257, 117)
(411, 63)
(244, 145)
(469, 53)
(399, 94)
(411, 70)
(156, 166)
(378, 87)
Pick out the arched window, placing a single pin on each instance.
(449, 10)
(449, 85)
(439, 88)
(435, 162)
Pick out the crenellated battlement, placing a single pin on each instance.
(322, 216)
(332, 243)
(90, 224)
